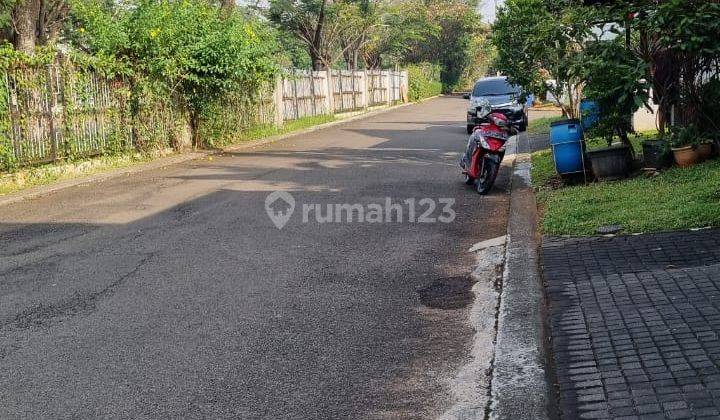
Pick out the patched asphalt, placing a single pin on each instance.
(170, 293)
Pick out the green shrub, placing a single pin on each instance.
(710, 108)
(423, 81)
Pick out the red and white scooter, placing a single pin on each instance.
(486, 149)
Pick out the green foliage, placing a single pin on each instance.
(449, 29)
(269, 130)
(617, 81)
(98, 26)
(11, 60)
(7, 155)
(685, 33)
(405, 25)
(687, 135)
(482, 55)
(543, 168)
(520, 42)
(424, 81)
(186, 53)
(198, 53)
(537, 40)
(710, 108)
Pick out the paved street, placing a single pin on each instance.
(170, 293)
(635, 325)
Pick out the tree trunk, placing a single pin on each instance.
(194, 120)
(316, 47)
(25, 18)
(317, 62)
(227, 6)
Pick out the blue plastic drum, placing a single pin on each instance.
(566, 139)
(590, 111)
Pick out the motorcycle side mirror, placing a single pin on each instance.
(466, 96)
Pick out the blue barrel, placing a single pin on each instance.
(590, 112)
(566, 139)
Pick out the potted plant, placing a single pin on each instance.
(684, 141)
(656, 153)
(616, 80)
(704, 149)
(612, 162)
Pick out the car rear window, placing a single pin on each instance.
(494, 87)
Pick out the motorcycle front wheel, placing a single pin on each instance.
(469, 180)
(487, 179)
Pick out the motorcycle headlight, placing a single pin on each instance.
(483, 143)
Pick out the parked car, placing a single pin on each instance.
(503, 97)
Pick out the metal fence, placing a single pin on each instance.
(51, 115)
(56, 111)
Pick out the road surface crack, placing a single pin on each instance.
(79, 303)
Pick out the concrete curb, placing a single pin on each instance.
(42, 190)
(520, 388)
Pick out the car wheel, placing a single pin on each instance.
(523, 125)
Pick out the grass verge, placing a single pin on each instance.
(541, 125)
(263, 131)
(675, 199)
(50, 173)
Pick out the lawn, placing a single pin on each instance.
(541, 125)
(675, 199)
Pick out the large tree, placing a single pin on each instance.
(538, 40)
(34, 22)
(306, 19)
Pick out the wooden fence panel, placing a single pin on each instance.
(377, 92)
(304, 94)
(347, 90)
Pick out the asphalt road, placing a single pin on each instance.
(171, 294)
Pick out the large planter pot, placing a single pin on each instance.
(704, 151)
(685, 156)
(656, 154)
(611, 162)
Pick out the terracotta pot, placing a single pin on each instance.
(685, 156)
(704, 151)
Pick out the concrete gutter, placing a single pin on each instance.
(42, 190)
(520, 388)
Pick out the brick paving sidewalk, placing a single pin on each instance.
(634, 324)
